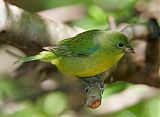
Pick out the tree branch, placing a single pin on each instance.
(30, 32)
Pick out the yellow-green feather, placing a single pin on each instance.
(84, 67)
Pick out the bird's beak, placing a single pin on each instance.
(129, 50)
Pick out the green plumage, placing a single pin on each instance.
(87, 54)
(82, 45)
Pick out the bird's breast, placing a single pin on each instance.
(86, 66)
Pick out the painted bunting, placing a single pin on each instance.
(87, 54)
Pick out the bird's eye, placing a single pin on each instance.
(120, 45)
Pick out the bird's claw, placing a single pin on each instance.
(94, 81)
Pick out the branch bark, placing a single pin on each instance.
(29, 32)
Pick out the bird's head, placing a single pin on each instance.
(118, 43)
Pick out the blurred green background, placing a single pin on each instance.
(19, 99)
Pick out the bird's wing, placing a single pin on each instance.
(82, 45)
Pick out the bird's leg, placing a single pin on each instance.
(94, 90)
(92, 81)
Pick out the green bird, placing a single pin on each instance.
(87, 54)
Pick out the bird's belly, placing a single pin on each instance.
(84, 67)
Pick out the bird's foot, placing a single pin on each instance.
(93, 81)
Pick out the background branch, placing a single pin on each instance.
(29, 32)
(135, 94)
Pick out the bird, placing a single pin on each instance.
(87, 54)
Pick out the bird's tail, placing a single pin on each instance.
(44, 56)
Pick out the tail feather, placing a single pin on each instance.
(45, 56)
(26, 59)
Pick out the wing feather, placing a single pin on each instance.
(82, 45)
